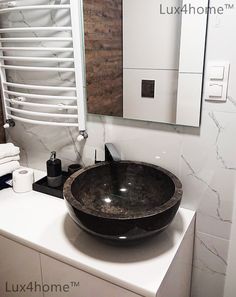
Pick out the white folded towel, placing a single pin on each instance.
(9, 159)
(9, 167)
(8, 150)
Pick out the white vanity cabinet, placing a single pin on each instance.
(54, 251)
(36, 275)
(19, 265)
(54, 271)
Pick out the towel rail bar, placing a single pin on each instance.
(35, 39)
(29, 68)
(34, 29)
(31, 104)
(24, 120)
(35, 87)
(50, 49)
(36, 96)
(34, 7)
(43, 114)
(39, 59)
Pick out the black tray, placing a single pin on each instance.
(43, 187)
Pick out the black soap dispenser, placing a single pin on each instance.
(54, 171)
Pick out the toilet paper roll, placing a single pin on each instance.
(23, 179)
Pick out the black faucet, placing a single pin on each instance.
(111, 154)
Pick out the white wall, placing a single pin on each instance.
(203, 158)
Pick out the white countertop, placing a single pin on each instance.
(42, 222)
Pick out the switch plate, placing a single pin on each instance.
(217, 78)
(215, 90)
(217, 72)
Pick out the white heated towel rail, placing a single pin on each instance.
(44, 104)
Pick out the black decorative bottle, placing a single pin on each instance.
(54, 171)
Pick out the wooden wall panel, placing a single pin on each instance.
(104, 56)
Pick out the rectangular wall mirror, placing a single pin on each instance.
(145, 59)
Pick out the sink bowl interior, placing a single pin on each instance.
(123, 189)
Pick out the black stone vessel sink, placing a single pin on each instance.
(123, 201)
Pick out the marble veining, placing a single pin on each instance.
(220, 130)
(232, 100)
(209, 267)
(214, 191)
(213, 250)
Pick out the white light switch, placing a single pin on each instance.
(215, 90)
(217, 72)
(216, 86)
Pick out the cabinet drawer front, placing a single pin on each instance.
(78, 283)
(19, 269)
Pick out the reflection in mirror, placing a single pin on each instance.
(104, 56)
(143, 62)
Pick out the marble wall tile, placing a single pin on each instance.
(208, 170)
(215, 209)
(209, 266)
(36, 143)
(155, 143)
(39, 141)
